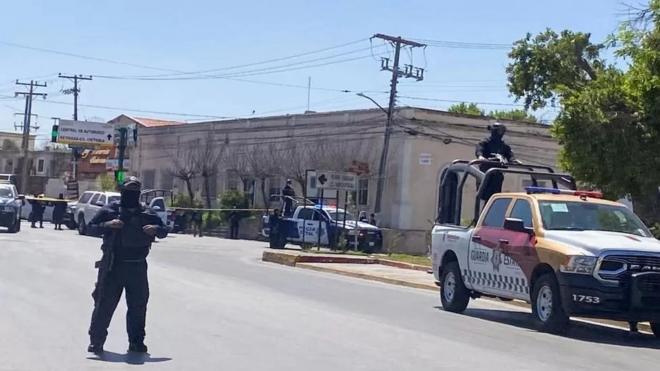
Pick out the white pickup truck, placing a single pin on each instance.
(303, 228)
(567, 252)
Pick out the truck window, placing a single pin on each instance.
(102, 199)
(306, 214)
(523, 211)
(160, 203)
(85, 197)
(95, 199)
(496, 213)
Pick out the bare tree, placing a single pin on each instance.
(207, 158)
(184, 166)
(237, 161)
(263, 163)
(296, 160)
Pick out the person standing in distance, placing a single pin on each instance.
(128, 231)
(289, 194)
(489, 149)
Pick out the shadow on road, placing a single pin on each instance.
(578, 330)
(128, 358)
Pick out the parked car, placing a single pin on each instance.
(11, 204)
(89, 204)
(303, 228)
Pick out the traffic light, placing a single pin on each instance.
(119, 176)
(54, 133)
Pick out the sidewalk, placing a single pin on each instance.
(376, 269)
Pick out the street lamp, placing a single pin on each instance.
(380, 185)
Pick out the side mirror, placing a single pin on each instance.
(156, 208)
(99, 203)
(21, 197)
(516, 225)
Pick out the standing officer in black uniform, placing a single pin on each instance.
(288, 194)
(494, 148)
(128, 231)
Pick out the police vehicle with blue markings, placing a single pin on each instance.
(11, 204)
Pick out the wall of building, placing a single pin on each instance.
(414, 161)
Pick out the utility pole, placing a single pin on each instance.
(25, 144)
(75, 91)
(408, 72)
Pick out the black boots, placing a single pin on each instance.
(137, 347)
(95, 348)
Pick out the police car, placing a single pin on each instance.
(311, 225)
(10, 207)
(566, 252)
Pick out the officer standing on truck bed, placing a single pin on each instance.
(288, 194)
(494, 148)
(128, 231)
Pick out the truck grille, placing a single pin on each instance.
(649, 284)
(615, 267)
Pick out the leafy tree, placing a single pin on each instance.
(514, 114)
(234, 199)
(609, 119)
(107, 182)
(466, 109)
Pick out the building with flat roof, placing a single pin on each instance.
(258, 154)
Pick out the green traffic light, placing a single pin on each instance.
(119, 176)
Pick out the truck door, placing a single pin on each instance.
(484, 256)
(521, 249)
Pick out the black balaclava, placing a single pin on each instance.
(130, 193)
(497, 132)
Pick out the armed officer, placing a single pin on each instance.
(128, 231)
(494, 148)
(288, 194)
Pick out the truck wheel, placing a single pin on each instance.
(15, 227)
(655, 327)
(453, 293)
(82, 230)
(549, 315)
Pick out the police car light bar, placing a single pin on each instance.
(556, 191)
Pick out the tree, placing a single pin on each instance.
(9, 146)
(207, 158)
(514, 114)
(466, 109)
(107, 182)
(262, 161)
(184, 165)
(609, 119)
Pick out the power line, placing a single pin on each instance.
(464, 45)
(460, 101)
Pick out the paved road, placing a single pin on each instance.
(215, 306)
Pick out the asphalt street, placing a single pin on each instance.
(215, 306)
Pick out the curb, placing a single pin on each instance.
(300, 261)
(368, 277)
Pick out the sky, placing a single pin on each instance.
(198, 60)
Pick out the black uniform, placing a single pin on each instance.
(489, 148)
(123, 266)
(234, 219)
(275, 224)
(288, 194)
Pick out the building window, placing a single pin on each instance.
(363, 191)
(9, 166)
(274, 188)
(233, 180)
(148, 177)
(166, 180)
(41, 164)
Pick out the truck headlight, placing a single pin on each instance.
(579, 264)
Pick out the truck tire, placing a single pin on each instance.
(82, 227)
(453, 293)
(16, 227)
(655, 327)
(547, 309)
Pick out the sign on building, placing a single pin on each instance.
(340, 181)
(85, 133)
